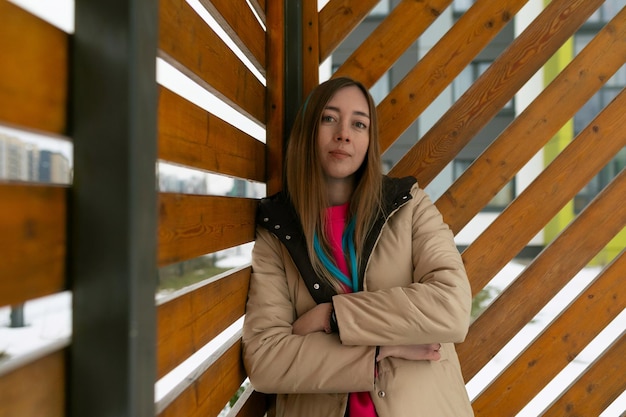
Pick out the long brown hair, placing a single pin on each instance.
(305, 183)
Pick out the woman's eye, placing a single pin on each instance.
(327, 118)
(360, 125)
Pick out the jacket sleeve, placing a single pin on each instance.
(434, 306)
(278, 361)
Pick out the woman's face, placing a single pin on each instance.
(343, 133)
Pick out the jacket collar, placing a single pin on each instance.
(277, 215)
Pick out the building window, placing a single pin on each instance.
(502, 199)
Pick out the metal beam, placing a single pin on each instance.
(293, 62)
(113, 203)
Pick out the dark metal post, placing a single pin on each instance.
(113, 209)
(293, 62)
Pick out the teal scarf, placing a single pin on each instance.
(347, 242)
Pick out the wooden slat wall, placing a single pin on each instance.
(490, 92)
(594, 147)
(193, 225)
(189, 44)
(21, 397)
(33, 218)
(188, 322)
(34, 71)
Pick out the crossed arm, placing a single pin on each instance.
(318, 320)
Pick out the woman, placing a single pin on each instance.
(358, 292)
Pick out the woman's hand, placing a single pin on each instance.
(315, 320)
(411, 352)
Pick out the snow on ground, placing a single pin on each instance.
(49, 325)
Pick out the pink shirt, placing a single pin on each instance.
(359, 403)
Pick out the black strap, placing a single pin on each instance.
(277, 215)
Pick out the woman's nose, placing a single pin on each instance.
(343, 133)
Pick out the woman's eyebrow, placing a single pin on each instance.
(358, 113)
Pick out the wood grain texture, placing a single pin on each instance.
(556, 346)
(436, 70)
(33, 242)
(259, 8)
(544, 277)
(211, 390)
(337, 19)
(554, 187)
(487, 95)
(238, 21)
(597, 387)
(275, 135)
(190, 45)
(191, 136)
(539, 122)
(190, 321)
(391, 38)
(192, 225)
(36, 389)
(34, 71)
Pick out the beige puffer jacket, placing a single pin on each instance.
(415, 291)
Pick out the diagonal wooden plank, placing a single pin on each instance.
(238, 21)
(193, 225)
(192, 319)
(508, 73)
(255, 406)
(210, 391)
(191, 136)
(33, 241)
(438, 68)
(597, 387)
(542, 279)
(557, 346)
(337, 19)
(190, 45)
(554, 187)
(259, 9)
(376, 54)
(36, 389)
(559, 102)
(34, 71)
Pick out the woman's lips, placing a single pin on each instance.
(339, 154)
